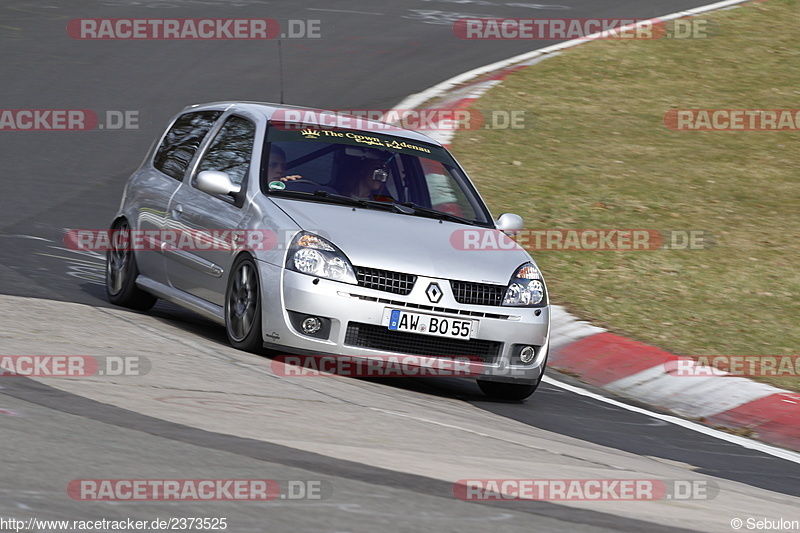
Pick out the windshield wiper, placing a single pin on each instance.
(325, 196)
(406, 208)
(433, 213)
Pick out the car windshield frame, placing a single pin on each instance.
(411, 166)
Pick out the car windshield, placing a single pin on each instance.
(340, 165)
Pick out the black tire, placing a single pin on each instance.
(507, 391)
(243, 306)
(121, 272)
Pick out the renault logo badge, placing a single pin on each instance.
(434, 292)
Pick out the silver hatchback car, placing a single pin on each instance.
(317, 234)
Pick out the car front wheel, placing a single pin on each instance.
(243, 306)
(121, 272)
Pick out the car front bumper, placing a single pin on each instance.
(358, 326)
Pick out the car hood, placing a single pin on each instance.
(405, 243)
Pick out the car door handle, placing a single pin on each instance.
(177, 211)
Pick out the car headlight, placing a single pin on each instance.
(526, 288)
(311, 254)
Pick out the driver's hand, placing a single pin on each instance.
(291, 178)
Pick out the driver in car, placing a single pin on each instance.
(276, 169)
(368, 180)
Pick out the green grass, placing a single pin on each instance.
(598, 155)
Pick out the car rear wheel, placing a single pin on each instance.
(121, 272)
(507, 391)
(243, 306)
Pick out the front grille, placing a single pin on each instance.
(382, 338)
(436, 309)
(466, 292)
(385, 280)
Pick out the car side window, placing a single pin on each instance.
(446, 195)
(231, 149)
(181, 142)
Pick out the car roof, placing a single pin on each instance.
(267, 110)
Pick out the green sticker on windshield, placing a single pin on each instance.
(277, 185)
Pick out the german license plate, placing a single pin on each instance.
(439, 326)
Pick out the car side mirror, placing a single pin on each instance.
(509, 223)
(216, 182)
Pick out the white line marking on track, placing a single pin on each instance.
(27, 237)
(342, 11)
(693, 426)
